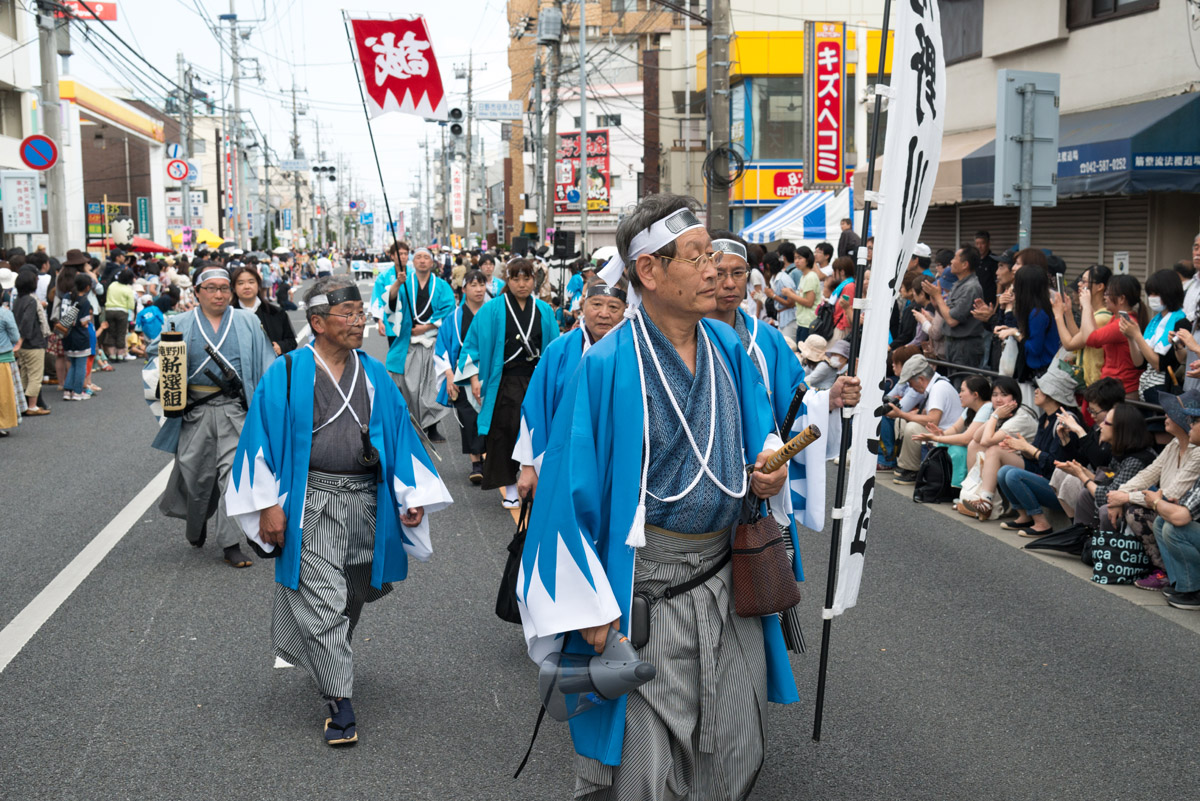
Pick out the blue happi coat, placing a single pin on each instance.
(246, 346)
(782, 374)
(271, 467)
(546, 389)
(483, 352)
(576, 569)
(441, 304)
(378, 305)
(446, 350)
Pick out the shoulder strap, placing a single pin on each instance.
(287, 361)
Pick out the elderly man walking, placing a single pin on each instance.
(330, 470)
(643, 481)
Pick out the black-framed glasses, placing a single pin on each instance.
(737, 275)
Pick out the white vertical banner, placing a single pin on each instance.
(458, 197)
(912, 147)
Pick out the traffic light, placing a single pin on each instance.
(456, 121)
(326, 169)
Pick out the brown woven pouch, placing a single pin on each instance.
(763, 581)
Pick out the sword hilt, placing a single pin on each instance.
(796, 444)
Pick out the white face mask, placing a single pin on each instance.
(1156, 304)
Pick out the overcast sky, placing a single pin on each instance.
(305, 41)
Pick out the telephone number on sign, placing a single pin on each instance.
(1103, 165)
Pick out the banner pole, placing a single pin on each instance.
(835, 545)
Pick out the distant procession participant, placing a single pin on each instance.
(643, 481)
(249, 295)
(499, 355)
(446, 352)
(487, 266)
(426, 301)
(205, 437)
(378, 309)
(330, 469)
(603, 308)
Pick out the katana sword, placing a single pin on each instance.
(794, 409)
(796, 444)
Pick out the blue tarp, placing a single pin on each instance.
(1152, 146)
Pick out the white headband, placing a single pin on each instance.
(731, 246)
(426, 251)
(650, 240)
(209, 273)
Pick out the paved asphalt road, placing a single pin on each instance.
(968, 671)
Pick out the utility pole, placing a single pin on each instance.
(539, 162)
(447, 220)
(718, 104)
(428, 192)
(185, 136)
(583, 128)
(242, 235)
(470, 114)
(551, 144)
(270, 243)
(296, 215)
(56, 179)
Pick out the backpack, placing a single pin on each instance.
(934, 477)
(823, 325)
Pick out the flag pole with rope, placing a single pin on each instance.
(848, 419)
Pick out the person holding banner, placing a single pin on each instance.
(426, 302)
(603, 307)
(643, 480)
(204, 438)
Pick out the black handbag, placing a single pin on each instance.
(1119, 557)
(506, 596)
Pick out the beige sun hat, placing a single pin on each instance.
(813, 348)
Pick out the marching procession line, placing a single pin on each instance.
(29, 620)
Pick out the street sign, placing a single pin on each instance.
(287, 219)
(366, 218)
(293, 165)
(177, 169)
(1016, 88)
(22, 202)
(498, 109)
(193, 172)
(143, 216)
(38, 152)
(1120, 262)
(353, 205)
(174, 151)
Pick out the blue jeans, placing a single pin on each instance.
(1180, 546)
(76, 370)
(887, 442)
(1026, 491)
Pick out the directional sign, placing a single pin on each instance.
(293, 165)
(366, 218)
(177, 169)
(174, 151)
(38, 152)
(498, 109)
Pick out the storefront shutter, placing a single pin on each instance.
(1126, 227)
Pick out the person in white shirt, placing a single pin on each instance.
(942, 408)
(1191, 287)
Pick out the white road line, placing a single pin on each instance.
(21, 629)
(304, 332)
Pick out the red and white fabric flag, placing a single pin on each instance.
(398, 68)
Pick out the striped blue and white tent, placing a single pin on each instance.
(811, 216)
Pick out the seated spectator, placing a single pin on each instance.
(1177, 533)
(941, 407)
(1123, 298)
(1021, 468)
(1094, 281)
(837, 356)
(1123, 430)
(1086, 447)
(974, 394)
(1154, 347)
(965, 334)
(1008, 418)
(901, 395)
(1035, 328)
(812, 355)
(1174, 472)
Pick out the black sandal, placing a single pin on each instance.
(235, 557)
(344, 731)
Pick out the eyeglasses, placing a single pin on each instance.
(217, 290)
(701, 261)
(736, 275)
(351, 319)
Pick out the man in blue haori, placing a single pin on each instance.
(204, 438)
(603, 308)
(378, 307)
(424, 301)
(642, 483)
(330, 469)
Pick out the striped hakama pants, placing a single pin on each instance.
(313, 626)
(697, 731)
(207, 443)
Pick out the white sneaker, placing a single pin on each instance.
(68, 396)
(80, 396)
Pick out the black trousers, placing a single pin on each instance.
(499, 469)
(468, 419)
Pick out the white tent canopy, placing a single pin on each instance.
(809, 216)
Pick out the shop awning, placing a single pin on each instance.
(200, 236)
(948, 188)
(1150, 146)
(809, 215)
(138, 244)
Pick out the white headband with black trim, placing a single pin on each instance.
(650, 240)
(210, 273)
(731, 246)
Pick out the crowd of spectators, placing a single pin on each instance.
(1065, 400)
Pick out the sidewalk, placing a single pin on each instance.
(1150, 601)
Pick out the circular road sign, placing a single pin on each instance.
(177, 169)
(39, 152)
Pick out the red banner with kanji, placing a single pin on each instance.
(398, 68)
